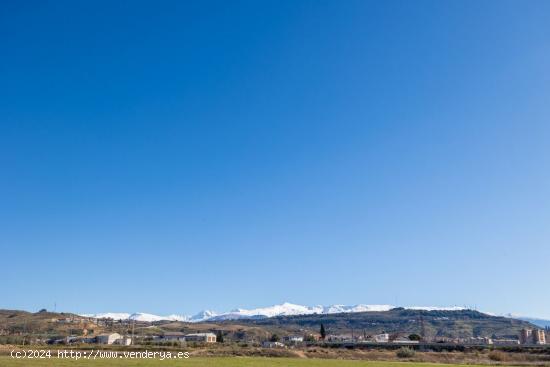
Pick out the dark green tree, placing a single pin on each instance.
(323, 332)
(415, 337)
(219, 337)
(274, 338)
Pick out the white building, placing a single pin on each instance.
(539, 337)
(173, 337)
(293, 339)
(201, 337)
(272, 345)
(339, 338)
(108, 338)
(532, 336)
(478, 340)
(381, 338)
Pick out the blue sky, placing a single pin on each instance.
(167, 157)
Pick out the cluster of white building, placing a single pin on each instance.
(378, 338)
(526, 337)
(285, 341)
(486, 341)
(341, 338)
(181, 337)
(116, 338)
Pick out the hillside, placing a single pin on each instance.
(14, 322)
(436, 323)
(460, 323)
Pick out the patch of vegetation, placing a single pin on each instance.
(405, 352)
(498, 356)
(6, 361)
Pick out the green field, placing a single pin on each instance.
(212, 362)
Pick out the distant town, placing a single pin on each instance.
(83, 330)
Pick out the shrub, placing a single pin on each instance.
(405, 352)
(498, 356)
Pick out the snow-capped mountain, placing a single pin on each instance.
(356, 308)
(284, 309)
(139, 316)
(289, 309)
(202, 316)
(533, 320)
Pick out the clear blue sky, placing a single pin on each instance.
(167, 157)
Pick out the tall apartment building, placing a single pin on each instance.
(539, 336)
(525, 336)
(529, 336)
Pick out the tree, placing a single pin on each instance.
(219, 337)
(393, 336)
(415, 337)
(323, 332)
(309, 338)
(405, 352)
(274, 338)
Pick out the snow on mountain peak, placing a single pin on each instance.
(202, 316)
(283, 309)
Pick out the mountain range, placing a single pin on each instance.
(287, 309)
(287, 319)
(284, 309)
(533, 320)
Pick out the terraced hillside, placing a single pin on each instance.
(463, 323)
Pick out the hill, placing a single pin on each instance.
(459, 323)
(431, 323)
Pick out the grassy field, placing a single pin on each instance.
(6, 361)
